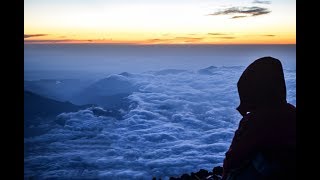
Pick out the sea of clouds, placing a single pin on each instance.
(178, 121)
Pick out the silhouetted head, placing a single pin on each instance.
(261, 85)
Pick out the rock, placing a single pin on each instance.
(173, 178)
(202, 174)
(186, 177)
(217, 170)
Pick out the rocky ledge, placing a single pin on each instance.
(202, 174)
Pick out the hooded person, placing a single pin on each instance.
(264, 145)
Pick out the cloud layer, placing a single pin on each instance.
(33, 35)
(179, 121)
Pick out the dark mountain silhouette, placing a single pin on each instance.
(59, 89)
(208, 71)
(110, 92)
(40, 111)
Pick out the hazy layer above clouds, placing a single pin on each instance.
(81, 61)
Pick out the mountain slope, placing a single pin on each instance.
(40, 111)
(110, 92)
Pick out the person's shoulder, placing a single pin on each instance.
(287, 110)
(268, 112)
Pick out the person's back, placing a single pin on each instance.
(277, 146)
(264, 145)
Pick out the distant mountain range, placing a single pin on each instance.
(110, 92)
(59, 89)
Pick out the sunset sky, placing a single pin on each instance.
(160, 21)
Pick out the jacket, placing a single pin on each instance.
(268, 126)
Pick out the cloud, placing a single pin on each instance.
(33, 35)
(158, 41)
(221, 36)
(245, 11)
(48, 41)
(189, 39)
(261, 2)
(217, 34)
(174, 40)
(270, 35)
(236, 17)
(226, 37)
(178, 121)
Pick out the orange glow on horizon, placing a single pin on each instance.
(183, 39)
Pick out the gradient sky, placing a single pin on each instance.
(160, 21)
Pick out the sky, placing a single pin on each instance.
(160, 22)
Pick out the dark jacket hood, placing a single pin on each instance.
(261, 85)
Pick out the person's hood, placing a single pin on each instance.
(261, 85)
